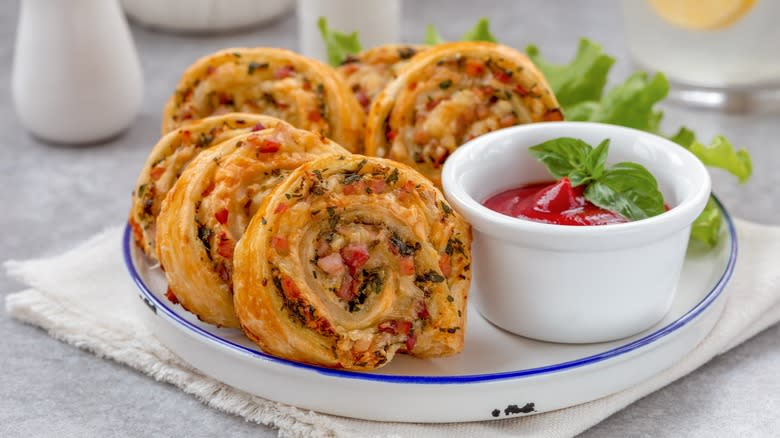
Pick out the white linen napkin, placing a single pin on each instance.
(82, 297)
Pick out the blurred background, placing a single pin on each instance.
(53, 195)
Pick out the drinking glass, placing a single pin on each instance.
(717, 54)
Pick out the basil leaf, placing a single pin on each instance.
(579, 177)
(562, 155)
(432, 36)
(338, 45)
(721, 154)
(627, 189)
(706, 227)
(581, 80)
(480, 32)
(592, 167)
(597, 158)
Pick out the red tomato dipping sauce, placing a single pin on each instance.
(555, 202)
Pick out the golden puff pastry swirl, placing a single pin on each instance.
(208, 208)
(276, 82)
(168, 159)
(351, 260)
(371, 70)
(450, 94)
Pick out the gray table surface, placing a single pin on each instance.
(52, 197)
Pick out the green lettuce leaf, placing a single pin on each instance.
(721, 154)
(684, 137)
(706, 227)
(580, 80)
(432, 36)
(338, 45)
(629, 104)
(480, 32)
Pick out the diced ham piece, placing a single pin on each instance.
(280, 243)
(406, 265)
(269, 146)
(474, 67)
(355, 255)
(363, 98)
(345, 291)
(404, 327)
(171, 296)
(406, 191)
(290, 288)
(281, 208)
(502, 77)
(332, 264)
(445, 265)
(157, 172)
(323, 248)
(354, 188)
(431, 104)
(221, 216)
(395, 327)
(264, 145)
(225, 246)
(388, 327)
(207, 191)
(411, 340)
(377, 186)
(422, 311)
(283, 72)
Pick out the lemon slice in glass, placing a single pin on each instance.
(702, 14)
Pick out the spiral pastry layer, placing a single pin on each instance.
(450, 94)
(209, 207)
(370, 71)
(276, 82)
(350, 260)
(168, 159)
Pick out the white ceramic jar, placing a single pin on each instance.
(574, 284)
(76, 75)
(204, 16)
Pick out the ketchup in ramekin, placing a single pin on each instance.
(555, 202)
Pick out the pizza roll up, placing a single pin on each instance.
(208, 208)
(350, 260)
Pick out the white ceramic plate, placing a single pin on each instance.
(498, 375)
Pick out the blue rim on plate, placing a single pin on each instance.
(147, 295)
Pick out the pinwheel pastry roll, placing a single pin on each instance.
(276, 82)
(168, 158)
(370, 71)
(351, 260)
(208, 208)
(450, 94)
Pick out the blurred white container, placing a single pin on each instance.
(376, 21)
(76, 76)
(732, 65)
(204, 15)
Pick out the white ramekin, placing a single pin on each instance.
(574, 284)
